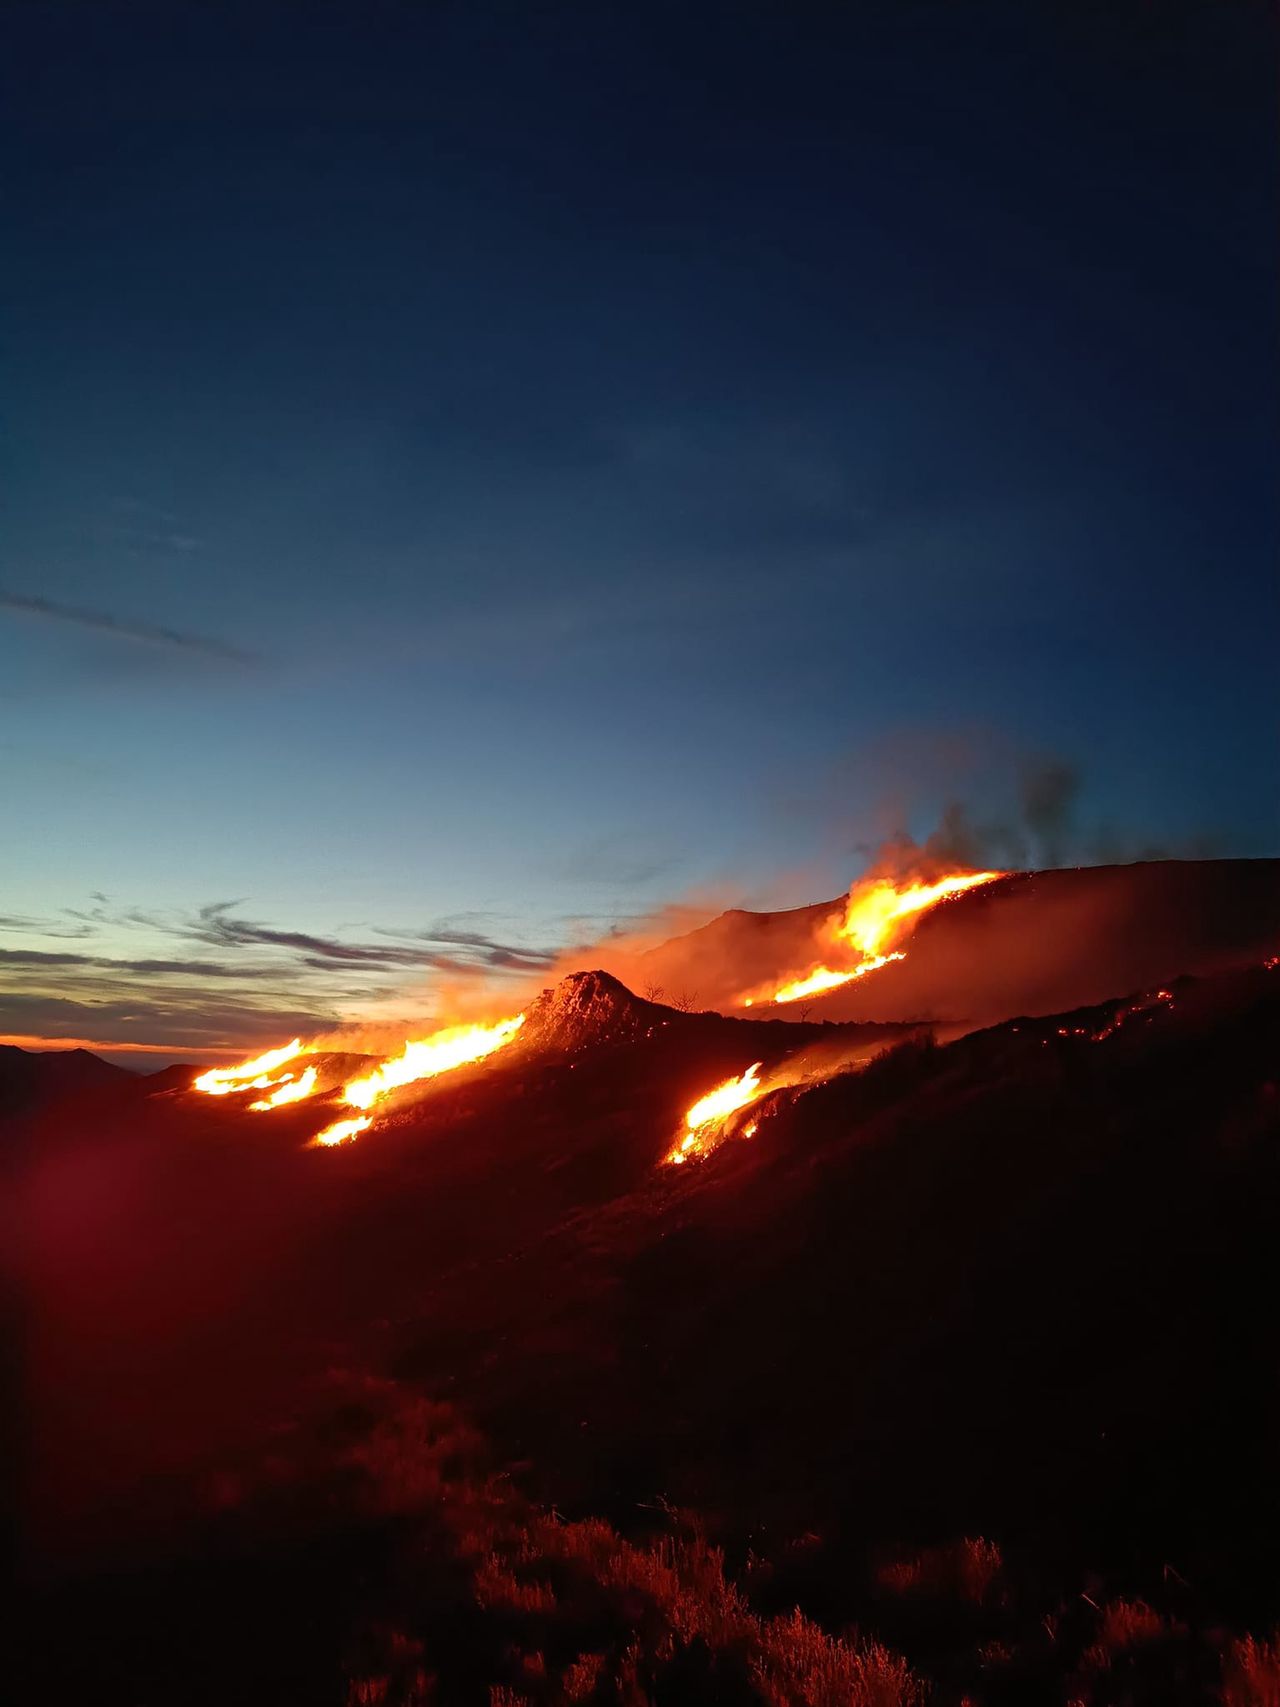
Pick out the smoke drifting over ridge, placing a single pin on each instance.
(1036, 833)
(1042, 937)
(1023, 942)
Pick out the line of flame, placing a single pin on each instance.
(456, 1046)
(342, 1131)
(709, 1113)
(221, 1081)
(297, 1090)
(872, 922)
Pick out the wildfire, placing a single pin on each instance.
(825, 979)
(872, 924)
(249, 1075)
(453, 1047)
(704, 1120)
(292, 1090)
(342, 1130)
(422, 1058)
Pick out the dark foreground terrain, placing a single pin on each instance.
(966, 1353)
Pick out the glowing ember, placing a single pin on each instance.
(249, 1075)
(342, 1130)
(873, 922)
(708, 1114)
(454, 1047)
(295, 1090)
(1145, 1009)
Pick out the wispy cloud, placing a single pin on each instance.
(25, 926)
(138, 968)
(178, 1020)
(437, 947)
(262, 979)
(103, 622)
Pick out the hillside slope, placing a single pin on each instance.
(1033, 942)
(1008, 1286)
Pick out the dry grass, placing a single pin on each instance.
(574, 1614)
(962, 1570)
(799, 1665)
(579, 1679)
(1126, 1625)
(664, 1601)
(672, 1593)
(1251, 1673)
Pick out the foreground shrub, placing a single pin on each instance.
(797, 1663)
(1126, 1625)
(1251, 1673)
(961, 1570)
(609, 1619)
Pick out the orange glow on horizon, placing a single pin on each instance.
(107, 1046)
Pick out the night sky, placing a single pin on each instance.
(476, 472)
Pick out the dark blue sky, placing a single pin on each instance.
(473, 467)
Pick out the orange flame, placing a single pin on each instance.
(295, 1090)
(825, 979)
(872, 924)
(704, 1120)
(249, 1075)
(455, 1046)
(874, 909)
(342, 1130)
(423, 1058)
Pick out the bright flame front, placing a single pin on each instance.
(874, 920)
(295, 1090)
(249, 1075)
(423, 1058)
(342, 1131)
(825, 979)
(704, 1120)
(873, 910)
(456, 1046)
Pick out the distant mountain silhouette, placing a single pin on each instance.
(30, 1077)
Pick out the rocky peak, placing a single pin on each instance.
(589, 1008)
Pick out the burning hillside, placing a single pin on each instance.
(993, 1287)
(418, 1061)
(864, 935)
(954, 949)
(991, 947)
(587, 1013)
